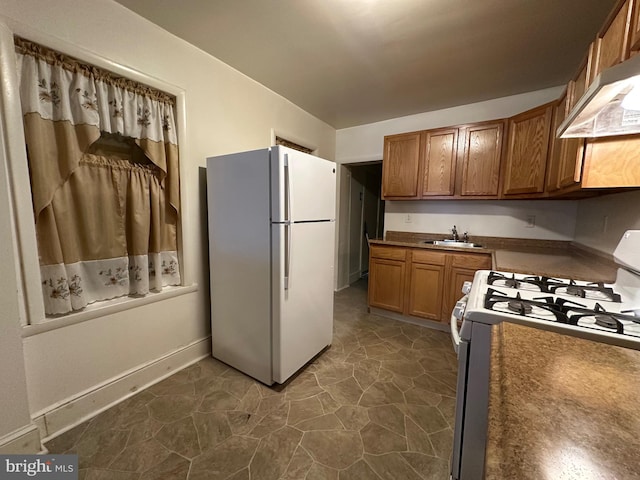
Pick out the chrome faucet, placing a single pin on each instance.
(465, 237)
(454, 231)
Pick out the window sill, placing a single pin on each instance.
(108, 307)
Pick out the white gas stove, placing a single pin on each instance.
(608, 313)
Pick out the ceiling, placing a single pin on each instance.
(351, 62)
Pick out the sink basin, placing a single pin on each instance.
(452, 243)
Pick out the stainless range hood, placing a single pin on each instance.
(611, 105)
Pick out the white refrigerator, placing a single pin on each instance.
(271, 258)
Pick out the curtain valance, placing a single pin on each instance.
(64, 90)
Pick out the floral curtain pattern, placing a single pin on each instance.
(106, 219)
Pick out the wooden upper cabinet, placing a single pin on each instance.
(613, 43)
(400, 166)
(580, 82)
(481, 158)
(527, 148)
(440, 152)
(566, 154)
(555, 148)
(635, 28)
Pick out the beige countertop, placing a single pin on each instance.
(562, 408)
(536, 257)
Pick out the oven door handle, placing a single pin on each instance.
(455, 316)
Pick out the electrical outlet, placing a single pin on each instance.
(407, 218)
(531, 221)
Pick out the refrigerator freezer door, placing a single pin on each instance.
(303, 312)
(240, 261)
(303, 186)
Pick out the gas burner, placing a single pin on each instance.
(511, 283)
(523, 283)
(605, 321)
(518, 306)
(538, 308)
(593, 291)
(576, 291)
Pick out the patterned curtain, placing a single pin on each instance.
(103, 162)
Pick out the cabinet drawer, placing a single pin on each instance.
(390, 253)
(428, 256)
(475, 262)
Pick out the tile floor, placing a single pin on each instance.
(379, 404)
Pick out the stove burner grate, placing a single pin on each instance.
(594, 291)
(561, 310)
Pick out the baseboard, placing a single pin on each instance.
(354, 277)
(23, 441)
(63, 416)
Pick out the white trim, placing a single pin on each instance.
(30, 291)
(107, 307)
(25, 440)
(67, 414)
(27, 269)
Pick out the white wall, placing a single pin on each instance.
(365, 142)
(622, 211)
(225, 112)
(554, 220)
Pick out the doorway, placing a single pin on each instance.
(366, 215)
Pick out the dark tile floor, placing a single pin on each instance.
(379, 404)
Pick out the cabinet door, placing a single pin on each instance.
(457, 277)
(635, 28)
(613, 46)
(386, 284)
(400, 165)
(481, 159)
(441, 148)
(425, 291)
(527, 150)
(555, 149)
(565, 158)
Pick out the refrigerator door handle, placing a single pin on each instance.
(287, 223)
(287, 188)
(287, 254)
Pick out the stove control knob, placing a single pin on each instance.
(458, 310)
(466, 288)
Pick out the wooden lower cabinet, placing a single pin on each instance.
(425, 291)
(421, 283)
(387, 275)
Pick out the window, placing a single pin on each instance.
(104, 172)
(287, 143)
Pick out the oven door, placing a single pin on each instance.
(472, 402)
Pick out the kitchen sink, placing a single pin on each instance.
(452, 243)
